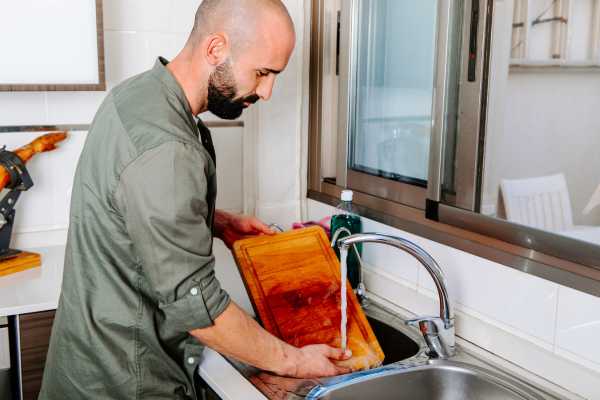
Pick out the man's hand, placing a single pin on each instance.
(231, 227)
(237, 335)
(317, 361)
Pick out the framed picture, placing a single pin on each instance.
(51, 45)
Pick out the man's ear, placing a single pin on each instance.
(217, 49)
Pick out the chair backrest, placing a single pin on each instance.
(541, 202)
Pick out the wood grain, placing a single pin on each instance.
(35, 338)
(20, 262)
(293, 280)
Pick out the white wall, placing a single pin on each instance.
(279, 161)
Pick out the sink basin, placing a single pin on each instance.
(407, 373)
(440, 380)
(395, 345)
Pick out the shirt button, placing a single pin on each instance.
(191, 360)
(194, 291)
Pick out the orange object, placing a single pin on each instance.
(43, 143)
(293, 280)
(20, 262)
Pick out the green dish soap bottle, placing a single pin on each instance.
(347, 220)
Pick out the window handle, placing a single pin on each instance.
(472, 69)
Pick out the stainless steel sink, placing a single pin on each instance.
(396, 345)
(408, 372)
(438, 368)
(441, 380)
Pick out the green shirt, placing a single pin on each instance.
(139, 267)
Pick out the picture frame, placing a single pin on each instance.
(70, 51)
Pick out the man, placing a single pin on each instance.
(139, 297)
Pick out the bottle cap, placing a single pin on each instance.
(347, 195)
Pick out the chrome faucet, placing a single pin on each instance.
(437, 331)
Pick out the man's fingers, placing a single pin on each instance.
(342, 370)
(261, 227)
(337, 354)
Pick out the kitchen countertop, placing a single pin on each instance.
(36, 289)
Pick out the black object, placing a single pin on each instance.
(20, 181)
(472, 70)
(206, 139)
(432, 210)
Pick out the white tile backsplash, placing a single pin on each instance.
(138, 15)
(399, 264)
(229, 149)
(513, 298)
(578, 325)
(182, 18)
(228, 275)
(126, 55)
(22, 108)
(73, 107)
(161, 44)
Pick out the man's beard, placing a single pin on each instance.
(221, 94)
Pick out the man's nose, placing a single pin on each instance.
(265, 87)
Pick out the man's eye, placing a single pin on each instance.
(261, 73)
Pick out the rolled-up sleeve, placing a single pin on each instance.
(163, 199)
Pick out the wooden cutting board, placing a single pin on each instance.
(293, 280)
(20, 262)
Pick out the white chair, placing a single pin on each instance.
(541, 202)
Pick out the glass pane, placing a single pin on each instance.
(541, 166)
(391, 125)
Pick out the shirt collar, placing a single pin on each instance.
(165, 76)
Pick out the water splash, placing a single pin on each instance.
(344, 297)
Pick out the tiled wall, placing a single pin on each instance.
(136, 33)
(548, 329)
(280, 139)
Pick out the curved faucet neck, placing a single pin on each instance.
(417, 252)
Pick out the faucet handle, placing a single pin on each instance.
(438, 334)
(427, 325)
(427, 321)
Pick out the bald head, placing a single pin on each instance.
(244, 21)
(234, 54)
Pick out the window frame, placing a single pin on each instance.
(425, 212)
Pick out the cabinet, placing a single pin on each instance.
(29, 336)
(34, 335)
